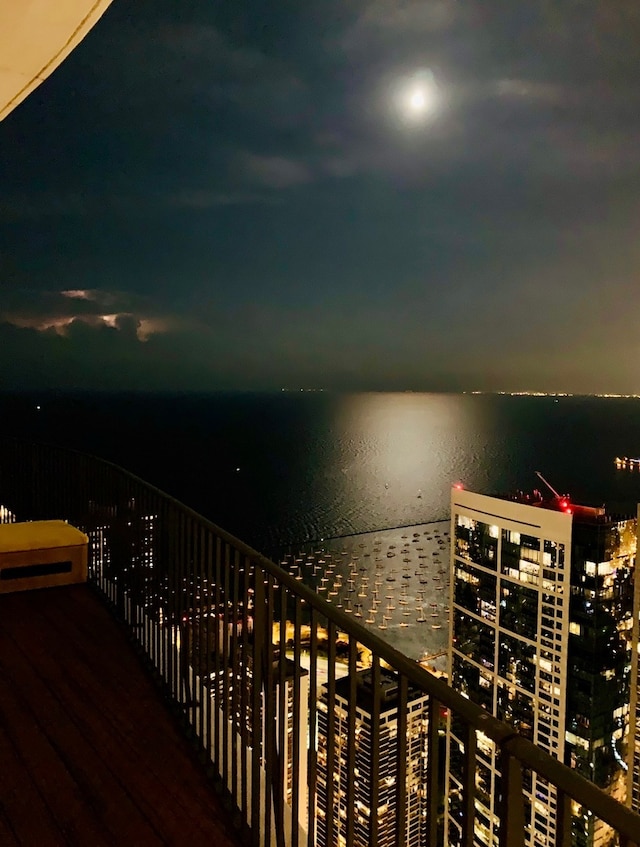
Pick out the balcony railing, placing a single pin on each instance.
(319, 732)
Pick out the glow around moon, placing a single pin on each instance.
(416, 99)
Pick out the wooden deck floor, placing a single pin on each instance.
(88, 753)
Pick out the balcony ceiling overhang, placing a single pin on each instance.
(35, 37)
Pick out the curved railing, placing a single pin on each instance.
(320, 732)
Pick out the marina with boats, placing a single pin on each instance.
(395, 582)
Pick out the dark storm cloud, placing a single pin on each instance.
(79, 302)
(67, 312)
(235, 193)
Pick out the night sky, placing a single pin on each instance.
(338, 194)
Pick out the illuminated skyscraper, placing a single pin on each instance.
(541, 636)
(290, 713)
(415, 766)
(633, 776)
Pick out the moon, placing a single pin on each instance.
(417, 101)
(417, 98)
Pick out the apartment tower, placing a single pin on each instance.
(389, 767)
(541, 628)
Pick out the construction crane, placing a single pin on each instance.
(565, 504)
(549, 486)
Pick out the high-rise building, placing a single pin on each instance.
(541, 636)
(633, 775)
(415, 766)
(289, 712)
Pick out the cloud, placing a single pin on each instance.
(36, 206)
(62, 312)
(390, 19)
(276, 171)
(545, 128)
(181, 67)
(203, 198)
(97, 296)
(340, 167)
(112, 358)
(530, 90)
(143, 328)
(80, 301)
(78, 294)
(202, 42)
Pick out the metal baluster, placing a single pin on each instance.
(563, 819)
(375, 752)
(212, 623)
(238, 674)
(273, 795)
(295, 766)
(226, 674)
(312, 767)
(331, 732)
(256, 728)
(433, 760)
(469, 785)
(401, 766)
(244, 690)
(351, 739)
(283, 687)
(219, 682)
(202, 596)
(512, 822)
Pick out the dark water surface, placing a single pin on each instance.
(279, 469)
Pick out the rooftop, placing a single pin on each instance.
(560, 503)
(389, 690)
(93, 754)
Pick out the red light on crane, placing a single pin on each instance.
(458, 486)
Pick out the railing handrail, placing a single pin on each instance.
(504, 736)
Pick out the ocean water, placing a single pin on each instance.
(278, 470)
